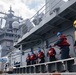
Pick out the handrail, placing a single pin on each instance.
(48, 62)
(40, 9)
(48, 67)
(46, 6)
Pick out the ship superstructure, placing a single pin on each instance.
(9, 33)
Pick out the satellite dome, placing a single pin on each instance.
(15, 24)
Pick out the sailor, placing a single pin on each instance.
(28, 60)
(51, 53)
(33, 58)
(63, 44)
(41, 56)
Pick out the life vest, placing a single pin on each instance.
(64, 42)
(32, 57)
(51, 52)
(28, 58)
(40, 55)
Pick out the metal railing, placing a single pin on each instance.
(66, 65)
(47, 9)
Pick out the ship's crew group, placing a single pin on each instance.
(40, 56)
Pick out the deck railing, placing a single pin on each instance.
(66, 65)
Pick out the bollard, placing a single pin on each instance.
(17, 70)
(21, 70)
(37, 68)
(51, 67)
(43, 68)
(24, 70)
(60, 66)
(32, 69)
(28, 69)
(69, 65)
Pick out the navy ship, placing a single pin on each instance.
(39, 31)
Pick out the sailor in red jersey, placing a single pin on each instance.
(28, 60)
(63, 44)
(51, 53)
(33, 58)
(41, 56)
